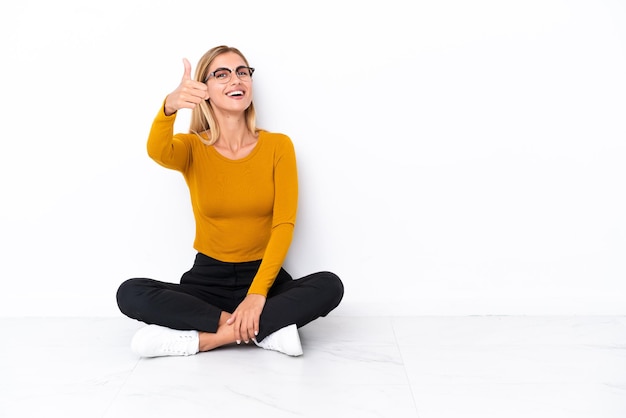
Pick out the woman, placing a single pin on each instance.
(244, 189)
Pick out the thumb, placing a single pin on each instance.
(187, 73)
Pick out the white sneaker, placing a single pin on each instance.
(157, 341)
(286, 340)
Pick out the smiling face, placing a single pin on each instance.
(234, 95)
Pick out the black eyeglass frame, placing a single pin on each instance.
(230, 71)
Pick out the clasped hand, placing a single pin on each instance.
(245, 319)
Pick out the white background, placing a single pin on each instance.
(456, 157)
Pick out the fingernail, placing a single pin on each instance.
(238, 341)
(256, 332)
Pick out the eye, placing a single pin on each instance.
(243, 71)
(221, 74)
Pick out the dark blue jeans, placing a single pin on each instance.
(213, 286)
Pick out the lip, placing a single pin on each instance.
(240, 91)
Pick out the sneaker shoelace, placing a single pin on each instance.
(179, 344)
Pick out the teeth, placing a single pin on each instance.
(236, 93)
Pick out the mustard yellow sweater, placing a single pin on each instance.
(244, 209)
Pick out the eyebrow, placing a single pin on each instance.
(228, 68)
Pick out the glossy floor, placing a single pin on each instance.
(427, 367)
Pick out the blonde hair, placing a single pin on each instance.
(203, 115)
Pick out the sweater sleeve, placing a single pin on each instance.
(163, 146)
(283, 221)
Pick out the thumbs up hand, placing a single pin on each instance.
(188, 93)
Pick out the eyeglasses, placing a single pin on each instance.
(223, 74)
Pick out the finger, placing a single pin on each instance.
(250, 332)
(237, 330)
(254, 326)
(249, 329)
(198, 91)
(187, 73)
(244, 331)
(190, 97)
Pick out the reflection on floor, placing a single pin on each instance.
(426, 367)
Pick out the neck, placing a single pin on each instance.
(233, 128)
(235, 141)
(233, 137)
